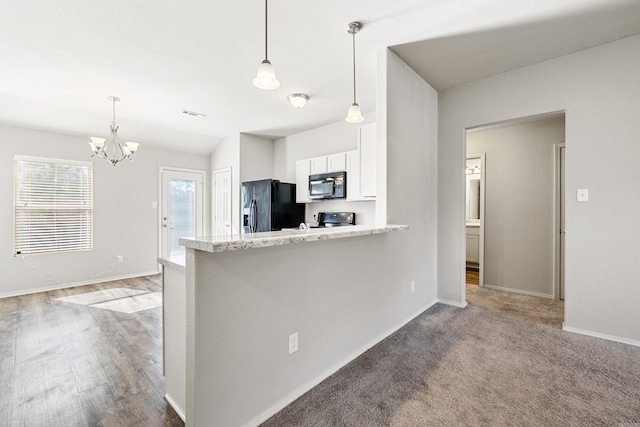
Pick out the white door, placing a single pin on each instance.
(182, 212)
(222, 197)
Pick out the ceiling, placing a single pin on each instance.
(61, 60)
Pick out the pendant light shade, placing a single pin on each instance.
(354, 115)
(266, 77)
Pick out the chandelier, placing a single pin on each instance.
(111, 149)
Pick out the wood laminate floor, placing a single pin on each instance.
(73, 364)
(473, 277)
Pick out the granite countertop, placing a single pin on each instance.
(285, 237)
(176, 262)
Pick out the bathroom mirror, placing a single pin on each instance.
(473, 190)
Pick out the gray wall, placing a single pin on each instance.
(599, 90)
(519, 204)
(338, 312)
(125, 223)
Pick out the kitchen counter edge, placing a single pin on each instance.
(285, 237)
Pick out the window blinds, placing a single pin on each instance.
(53, 201)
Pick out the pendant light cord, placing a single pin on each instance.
(265, 30)
(354, 67)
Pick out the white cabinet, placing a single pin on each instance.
(337, 162)
(318, 165)
(368, 160)
(303, 170)
(473, 245)
(353, 175)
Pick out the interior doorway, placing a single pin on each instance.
(522, 218)
(182, 208)
(474, 217)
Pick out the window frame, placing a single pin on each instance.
(70, 204)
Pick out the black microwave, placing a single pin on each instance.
(332, 185)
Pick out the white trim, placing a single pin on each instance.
(519, 291)
(601, 336)
(74, 284)
(482, 157)
(557, 203)
(282, 403)
(175, 407)
(452, 303)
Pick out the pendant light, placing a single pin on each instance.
(266, 78)
(111, 149)
(354, 115)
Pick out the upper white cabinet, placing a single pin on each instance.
(337, 162)
(368, 160)
(360, 165)
(353, 175)
(318, 165)
(303, 169)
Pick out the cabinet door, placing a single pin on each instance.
(337, 162)
(368, 160)
(302, 180)
(318, 165)
(473, 248)
(353, 175)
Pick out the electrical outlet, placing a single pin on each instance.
(413, 286)
(119, 259)
(293, 343)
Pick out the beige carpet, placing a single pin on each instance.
(502, 361)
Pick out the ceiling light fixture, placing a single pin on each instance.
(354, 115)
(266, 78)
(111, 149)
(298, 100)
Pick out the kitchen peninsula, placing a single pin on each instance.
(270, 315)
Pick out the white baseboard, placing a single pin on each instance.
(175, 407)
(74, 284)
(519, 291)
(599, 335)
(453, 303)
(289, 398)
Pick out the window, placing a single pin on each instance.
(53, 203)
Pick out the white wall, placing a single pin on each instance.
(227, 155)
(599, 89)
(256, 158)
(125, 223)
(519, 204)
(242, 380)
(333, 138)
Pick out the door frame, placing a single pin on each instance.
(162, 169)
(482, 157)
(214, 208)
(558, 194)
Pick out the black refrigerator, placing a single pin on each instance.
(270, 205)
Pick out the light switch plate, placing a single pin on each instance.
(583, 195)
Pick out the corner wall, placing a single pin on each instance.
(599, 90)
